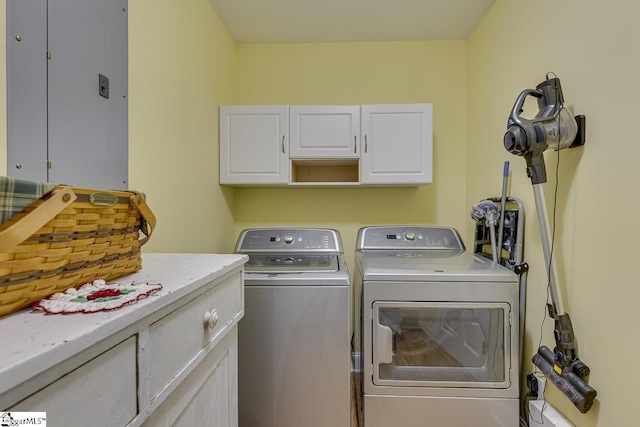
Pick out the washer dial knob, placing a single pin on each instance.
(410, 235)
(288, 238)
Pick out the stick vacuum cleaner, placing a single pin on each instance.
(552, 127)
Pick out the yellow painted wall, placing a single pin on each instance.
(361, 73)
(181, 62)
(592, 46)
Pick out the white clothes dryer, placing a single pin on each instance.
(439, 334)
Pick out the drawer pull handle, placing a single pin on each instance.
(211, 318)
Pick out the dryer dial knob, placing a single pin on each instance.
(410, 235)
(288, 238)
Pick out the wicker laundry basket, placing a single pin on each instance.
(67, 238)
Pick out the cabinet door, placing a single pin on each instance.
(208, 397)
(324, 131)
(253, 145)
(398, 143)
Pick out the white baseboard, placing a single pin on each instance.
(543, 414)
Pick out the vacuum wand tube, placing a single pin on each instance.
(541, 210)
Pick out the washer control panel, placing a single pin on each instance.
(289, 239)
(409, 237)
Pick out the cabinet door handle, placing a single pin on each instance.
(365, 143)
(355, 144)
(283, 145)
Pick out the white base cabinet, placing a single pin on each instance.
(386, 144)
(168, 360)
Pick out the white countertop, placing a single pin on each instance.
(31, 340)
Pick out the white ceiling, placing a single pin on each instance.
(310, 21)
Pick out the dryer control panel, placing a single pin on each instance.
(409, 237)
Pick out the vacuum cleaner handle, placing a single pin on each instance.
(517, 107)
(526, 138)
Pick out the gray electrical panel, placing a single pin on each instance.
(67, 92)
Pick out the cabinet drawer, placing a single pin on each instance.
(100, 393)
(176, 339)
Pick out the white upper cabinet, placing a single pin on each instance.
(324, 131)
(397, 144)
(254, 144)
(326, 145)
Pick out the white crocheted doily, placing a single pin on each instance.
(95, 296)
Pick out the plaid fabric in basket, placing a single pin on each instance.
(17, 194)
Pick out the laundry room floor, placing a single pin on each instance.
(356, 400)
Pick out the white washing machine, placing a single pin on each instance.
(439, 334)
(294, 339)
